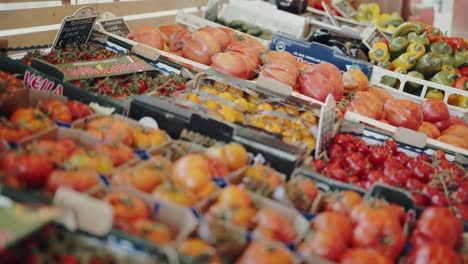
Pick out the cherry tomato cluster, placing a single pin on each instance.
(134, 84)
(72, 53)
(432, 181)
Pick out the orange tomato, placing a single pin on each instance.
(326, 243)
(127, 207)
(262, 179)
(173, 194)
(234, 196)
(80, 180)
(154, 232)
(199, 250)
(57, 110)
(147, 138)
(342, 202)
(236, 156)
(281, 229)
(111, 130)
(191, 172)
(429, 129)
(32, 119)
(264, 252)
(118, 153)
(216, 152)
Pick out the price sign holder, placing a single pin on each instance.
(112, 24)
(330, 15)
(326, 125)
(76, 29)
(372, 35)
(344, 8)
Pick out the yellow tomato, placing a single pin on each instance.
(220, 86)
(194, 97)
(242, 102)
(227, 96)
(235, 92)
(265, 106)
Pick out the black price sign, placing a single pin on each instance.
(116, 26)
(75, 29)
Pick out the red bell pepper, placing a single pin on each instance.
(456, 43)
(434, 34)
(461, 83)
(463, 70)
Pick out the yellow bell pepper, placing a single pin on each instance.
(368, 12)
(462, 101)
(434, 94)
(379, 52)
(405, 60)
(416, 47)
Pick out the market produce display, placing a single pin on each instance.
(217, 191)
(431, 181)
(234, 105)
(423, 52)
(366, 12)
(431, 118)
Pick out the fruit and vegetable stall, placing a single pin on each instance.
(203, 135)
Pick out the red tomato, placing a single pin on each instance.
(250, 54)
(363, 256)
(57, 110)
(118, 153)
(230, 33)
(355, 163)
(32, 169)
(148, 35)
(422, 171)
(315, 85)
(78, 109)
(433, 253)
(333, 75)
(275, 224)
(403, 113)
(325, 243)
(438, 224)
(200, 47)
(378, 155)
(80, 181)
(381, 93)
(380, 233)
(168, 30)
(367, 104)
(284, 73)
(233, 64)
(221, 37)
(278, 57)
(337, 221)
(442, 125)
(435, 110)
(429, 129)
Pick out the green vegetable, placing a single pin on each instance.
(460, 58)
(441, 47)
(222, 21)
(398, 46)
(254, 31)
(390, 81)
(236, 24)
(412, 87)
(408, 27)
(447, 60)
(246, 27)
(406, 60)
(413, 37)
(444, 77)
(429, 64)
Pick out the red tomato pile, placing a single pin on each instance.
(431, 118)
(352, 231)
(432, 181)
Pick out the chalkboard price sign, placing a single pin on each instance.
(116, 26)
(75, 29)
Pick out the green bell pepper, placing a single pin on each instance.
(447, 60)
(408, 27)
(398, 46)
(406, 60)
(390, 81)
(412, 87)
(460, 58)
(413, 37)
(441, 47)
(429, 64)
(444, 77)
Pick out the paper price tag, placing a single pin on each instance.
(75, 29)
(330, 15)
(371, 36)
(114, 25)
(326, 124)
(344, 8)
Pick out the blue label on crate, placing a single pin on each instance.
(313, 52)
(222, 183)
(142, 154)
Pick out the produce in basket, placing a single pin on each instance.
(431, 181)
(24, 122)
